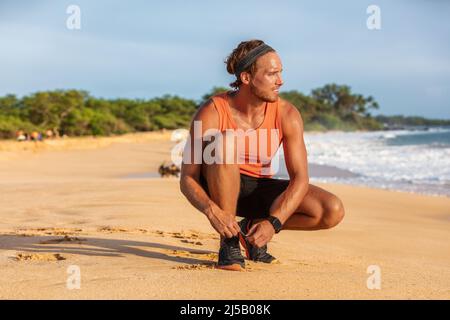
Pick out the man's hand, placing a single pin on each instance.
(260, 233)
(224, 223)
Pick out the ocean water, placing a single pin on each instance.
(405, 160)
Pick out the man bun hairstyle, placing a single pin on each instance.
(239, 61)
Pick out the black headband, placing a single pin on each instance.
(251, 56)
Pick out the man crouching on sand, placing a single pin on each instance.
(251, 122)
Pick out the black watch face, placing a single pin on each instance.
(275, 223)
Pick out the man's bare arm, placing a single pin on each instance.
(296, 162)
(190, 172)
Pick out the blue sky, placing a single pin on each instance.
(143, 49)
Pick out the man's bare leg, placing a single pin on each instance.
(224, 178)
(319, 209)
(223, 181)
(223, 185)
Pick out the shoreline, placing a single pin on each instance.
(317, 174)
(315, 171)
(13, 150)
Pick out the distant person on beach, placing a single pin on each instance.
(20, 136)
(49, 134)
(36, 136)
(244, 186)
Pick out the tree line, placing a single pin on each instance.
(77, 113)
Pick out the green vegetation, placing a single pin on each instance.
(402, 121)
(76, 113)
(334, 107)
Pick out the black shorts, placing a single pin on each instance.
(256, 195)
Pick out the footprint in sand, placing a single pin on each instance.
(210, 266)
(24, 234)
(195, 267)
(109, 229)
(192, 254)
(39, 257)
(190, 237)
(197, 243)
(65, 239)
(48, 231)
(112, 229)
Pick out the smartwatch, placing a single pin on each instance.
(276, 224)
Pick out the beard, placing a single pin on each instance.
(263, 95)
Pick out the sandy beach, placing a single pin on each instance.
(67, 203)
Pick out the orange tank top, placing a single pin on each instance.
(261, 144)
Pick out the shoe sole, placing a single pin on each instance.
(231, 267)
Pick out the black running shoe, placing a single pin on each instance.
(252, 252)
(230, 257)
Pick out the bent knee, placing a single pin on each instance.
(222, 149)
(333, 214)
